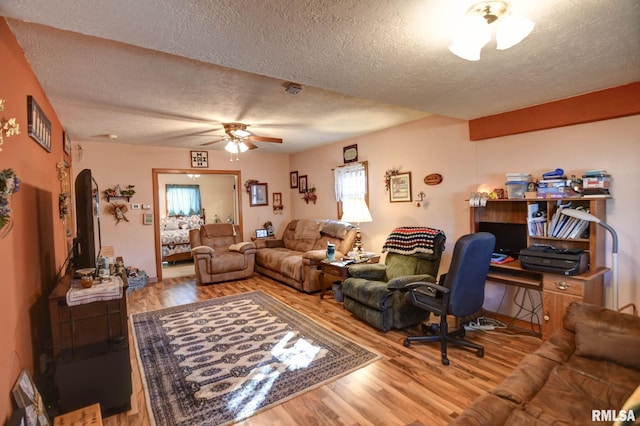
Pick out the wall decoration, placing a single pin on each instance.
(200, 159)
(293, 176)
(277, 203)
(433, 179)
(118, 211)
(350, 153)
(147, 218)
(247, 184)
(400, 187)
(38, 124)
(9, 185)
(118, 192)
(302, 184)
(310, 195)
(7, 127)
(387, 178)
(66, 143)
(259, 195)
(63, 204)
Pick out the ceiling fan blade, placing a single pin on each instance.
(212, 142)
(249, 144)
(264, 139)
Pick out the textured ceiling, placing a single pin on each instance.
(169, 73)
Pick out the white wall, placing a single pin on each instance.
(122, 164)
(441, 145)
(431, 145)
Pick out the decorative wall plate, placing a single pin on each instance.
(433, 179)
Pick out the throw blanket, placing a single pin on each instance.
(411, 240)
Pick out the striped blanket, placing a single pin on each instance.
(411, 240)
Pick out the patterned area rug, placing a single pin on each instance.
(221, 360)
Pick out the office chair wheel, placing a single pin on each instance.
(406, 343)
(480, 353)
(430, 329)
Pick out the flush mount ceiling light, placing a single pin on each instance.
(474, 31)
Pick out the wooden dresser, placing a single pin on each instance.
(90, 351)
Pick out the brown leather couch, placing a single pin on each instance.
(592, 363)
(294, 259)
(219, 254)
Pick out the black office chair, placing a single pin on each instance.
(460, 292)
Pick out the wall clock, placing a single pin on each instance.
(350, 153)
(199, 159)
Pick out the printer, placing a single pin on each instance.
(546, 258)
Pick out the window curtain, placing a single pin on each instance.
(350, 181)
(183, 200)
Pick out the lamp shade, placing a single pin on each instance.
(356, 211)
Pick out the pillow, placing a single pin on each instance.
(336, 229)
(598, 340)
(308, 230)
(171, 226)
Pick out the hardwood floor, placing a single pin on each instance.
(408, 386)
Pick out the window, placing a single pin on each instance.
(351, 183)
(183, 200)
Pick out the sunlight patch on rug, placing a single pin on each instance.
(222, 360)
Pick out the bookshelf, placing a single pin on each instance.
(557, 290)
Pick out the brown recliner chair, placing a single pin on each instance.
(219, 254)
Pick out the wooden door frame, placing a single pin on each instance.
(156, 204)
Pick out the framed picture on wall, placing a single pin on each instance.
(258, 195)
(66, 143)
(302, 184)
(400, 187)
(199, 159)
(38, 123)
(294, 179)
(147, 218)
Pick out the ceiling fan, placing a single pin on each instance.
(238, 134)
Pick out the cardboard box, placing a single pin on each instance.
(87, 416)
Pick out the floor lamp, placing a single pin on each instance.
(356, 211)
(581, 214)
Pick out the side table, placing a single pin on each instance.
(338, 269)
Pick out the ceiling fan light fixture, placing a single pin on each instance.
(231, 147)
(242, 146)
(512, 29)
(240, 133)
(474, 30)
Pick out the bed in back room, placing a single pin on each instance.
(174, 236)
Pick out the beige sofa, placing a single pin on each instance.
(219, 254)
(294, 258)
(592, 363)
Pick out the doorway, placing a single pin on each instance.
(220, 201)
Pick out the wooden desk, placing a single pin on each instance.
(342, 272)
(557, 290)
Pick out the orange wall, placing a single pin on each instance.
(35, 248)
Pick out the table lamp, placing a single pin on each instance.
(581, 214)
(356, 211)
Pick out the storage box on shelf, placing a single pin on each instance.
(557, 290)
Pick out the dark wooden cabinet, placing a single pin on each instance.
(90, 351)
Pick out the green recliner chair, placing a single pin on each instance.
(375, 293)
